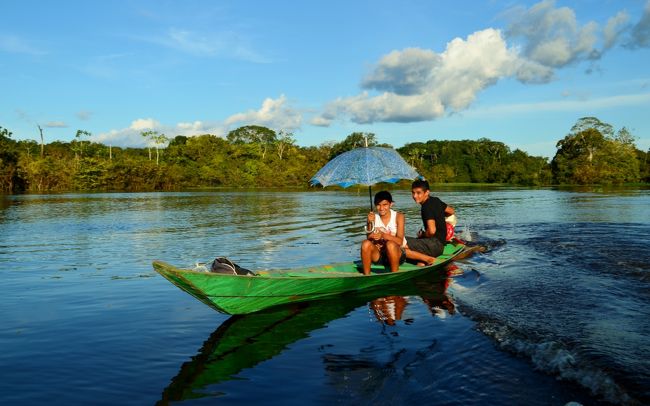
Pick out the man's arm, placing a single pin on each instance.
(398, 238)
(430, 231)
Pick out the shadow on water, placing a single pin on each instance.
(244, 341)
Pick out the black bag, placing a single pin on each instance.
(225, 266)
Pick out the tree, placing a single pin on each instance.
(149, 136)
(42, 139)
(79, 142)
(159, 140)
(4, 133)
(8, 161)
(624, 136)
(352, 141)
(284, 142)
(586, 123)
(591, 153)
(254, 134)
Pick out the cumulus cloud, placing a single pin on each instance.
(552, 36)
(321, 121)
(614, 29)
(131, 136)
(419, 84)
(274, 113)
(404, 72)
(416, 84)
(640, 33)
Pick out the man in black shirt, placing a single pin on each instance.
(430, 241)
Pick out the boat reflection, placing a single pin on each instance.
(243, 341)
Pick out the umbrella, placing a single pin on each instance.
(364, 166)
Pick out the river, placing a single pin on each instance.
(557, 310)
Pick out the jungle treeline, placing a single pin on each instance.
(254, 156)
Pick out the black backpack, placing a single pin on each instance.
(225, 266)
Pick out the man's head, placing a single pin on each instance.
(383, 202)
(420, 191)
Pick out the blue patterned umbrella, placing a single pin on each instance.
(365, 166)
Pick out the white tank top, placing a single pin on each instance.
(391, 227)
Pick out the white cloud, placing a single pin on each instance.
(404, 72)
(17, 45)
(579, 105)
(640, 33)
(320, 121)
(552, 36)
(224, 44)
(84, 115)
(276, 114)
(415, 84)
(420, 84)
(144, 124)
(615, 27)
(56, 124)
(131, 135)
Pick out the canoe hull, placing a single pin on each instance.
(233, 294)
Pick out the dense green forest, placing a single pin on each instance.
(254, 156)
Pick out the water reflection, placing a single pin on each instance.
(244, 341)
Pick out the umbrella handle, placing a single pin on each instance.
(370, 227)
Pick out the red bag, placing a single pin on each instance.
(450, 232)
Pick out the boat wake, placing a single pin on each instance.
(553, 358)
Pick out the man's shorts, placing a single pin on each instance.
(383, 258)
(429, 246)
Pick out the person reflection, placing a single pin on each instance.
(388, 309)
(439, 303)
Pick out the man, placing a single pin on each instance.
(384, 244)
(430, 241)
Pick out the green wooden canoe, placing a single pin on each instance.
(234, 294)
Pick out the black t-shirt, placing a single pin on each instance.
(434, 209)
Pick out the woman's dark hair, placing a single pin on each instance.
(383, 195)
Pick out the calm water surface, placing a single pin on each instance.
(557, 310)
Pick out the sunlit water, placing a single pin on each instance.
(556, 311)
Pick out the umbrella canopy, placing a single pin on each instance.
(364, 166)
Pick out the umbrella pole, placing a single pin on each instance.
(370, 225)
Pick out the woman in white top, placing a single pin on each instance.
(386, 243)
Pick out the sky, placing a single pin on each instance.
(517, 72)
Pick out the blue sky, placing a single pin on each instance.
(512, 71)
